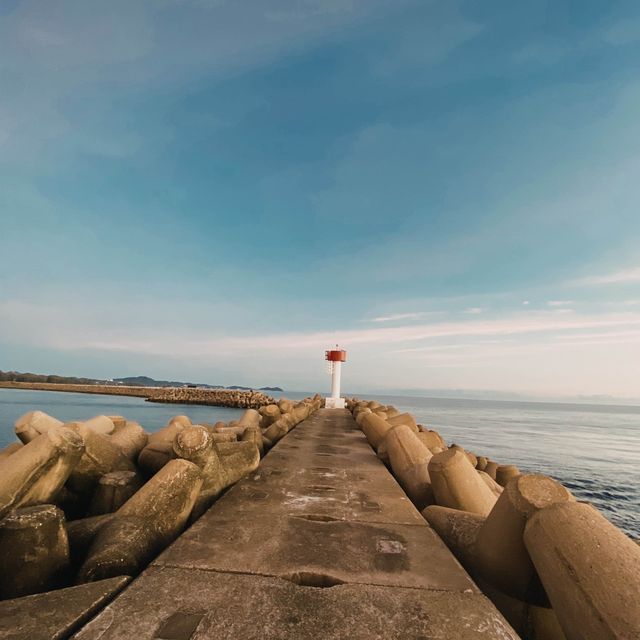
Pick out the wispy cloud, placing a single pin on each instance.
(559, 303)
(474, 311)
(46, 326)
(402, 316)
(600, 335)
(625, 276)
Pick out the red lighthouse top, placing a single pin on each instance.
(335, 355)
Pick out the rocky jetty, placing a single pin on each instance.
(212, 397)
(241, 399)
(99, 499)
(556, 568)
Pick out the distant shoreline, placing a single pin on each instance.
(111, 390)
(171, 395)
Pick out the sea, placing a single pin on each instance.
(593, 449)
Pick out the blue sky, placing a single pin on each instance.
(217, 191)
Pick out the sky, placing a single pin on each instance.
(218, 191)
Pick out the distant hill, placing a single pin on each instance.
(129, 381)
(237, 387)
(146, 381)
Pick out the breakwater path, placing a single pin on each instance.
(319, 541)
(172, 395)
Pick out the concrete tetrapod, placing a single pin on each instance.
(113, 490)
(10, 448)
(457, 485)
(374, 429)
(491, 468)
(409, 460)
(501, 557)
(590, 570)
(254, 434)
(36, 472)
(301, 412)
(34, 550)
(404, 418)
(491, 483)
(505, 472)
(33, 424)
(238, 459)
(100, 456)
(472, 458)
(359, 416)
(159, 448)
(131, 438)
(431, 439)
(530, 621)
(285, 405)
(155, 455)
(118, 421)
(180, 420)
(197, 445)
(279, 428)
(145, 524)
(269, 414)
(250, 418)
(231, 428)
(222, 436)
(458, 529)
(100, 424)
(81, 533)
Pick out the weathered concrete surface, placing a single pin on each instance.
(354, 552)
(201, 605)
(318, 542)
(55, 614)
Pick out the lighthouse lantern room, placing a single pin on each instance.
(335, 357)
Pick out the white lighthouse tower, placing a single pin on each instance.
(335, 357)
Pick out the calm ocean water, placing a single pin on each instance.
(594, 450)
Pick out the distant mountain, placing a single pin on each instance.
(146, 381)
(129, 381)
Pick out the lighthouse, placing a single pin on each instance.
(335, 357)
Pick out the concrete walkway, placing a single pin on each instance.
(320, 542)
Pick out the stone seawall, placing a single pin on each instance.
(173, 395)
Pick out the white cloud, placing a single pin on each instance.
(526, 303)
(625, 276)
(474, 311)
(28, 322)
(559, 303)
(541, 351)
(401, 316)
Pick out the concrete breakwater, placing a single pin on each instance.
(97, 500)
(176, 395)
(317, 539)
(318, 542)
(555, 568)
(212, 397)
